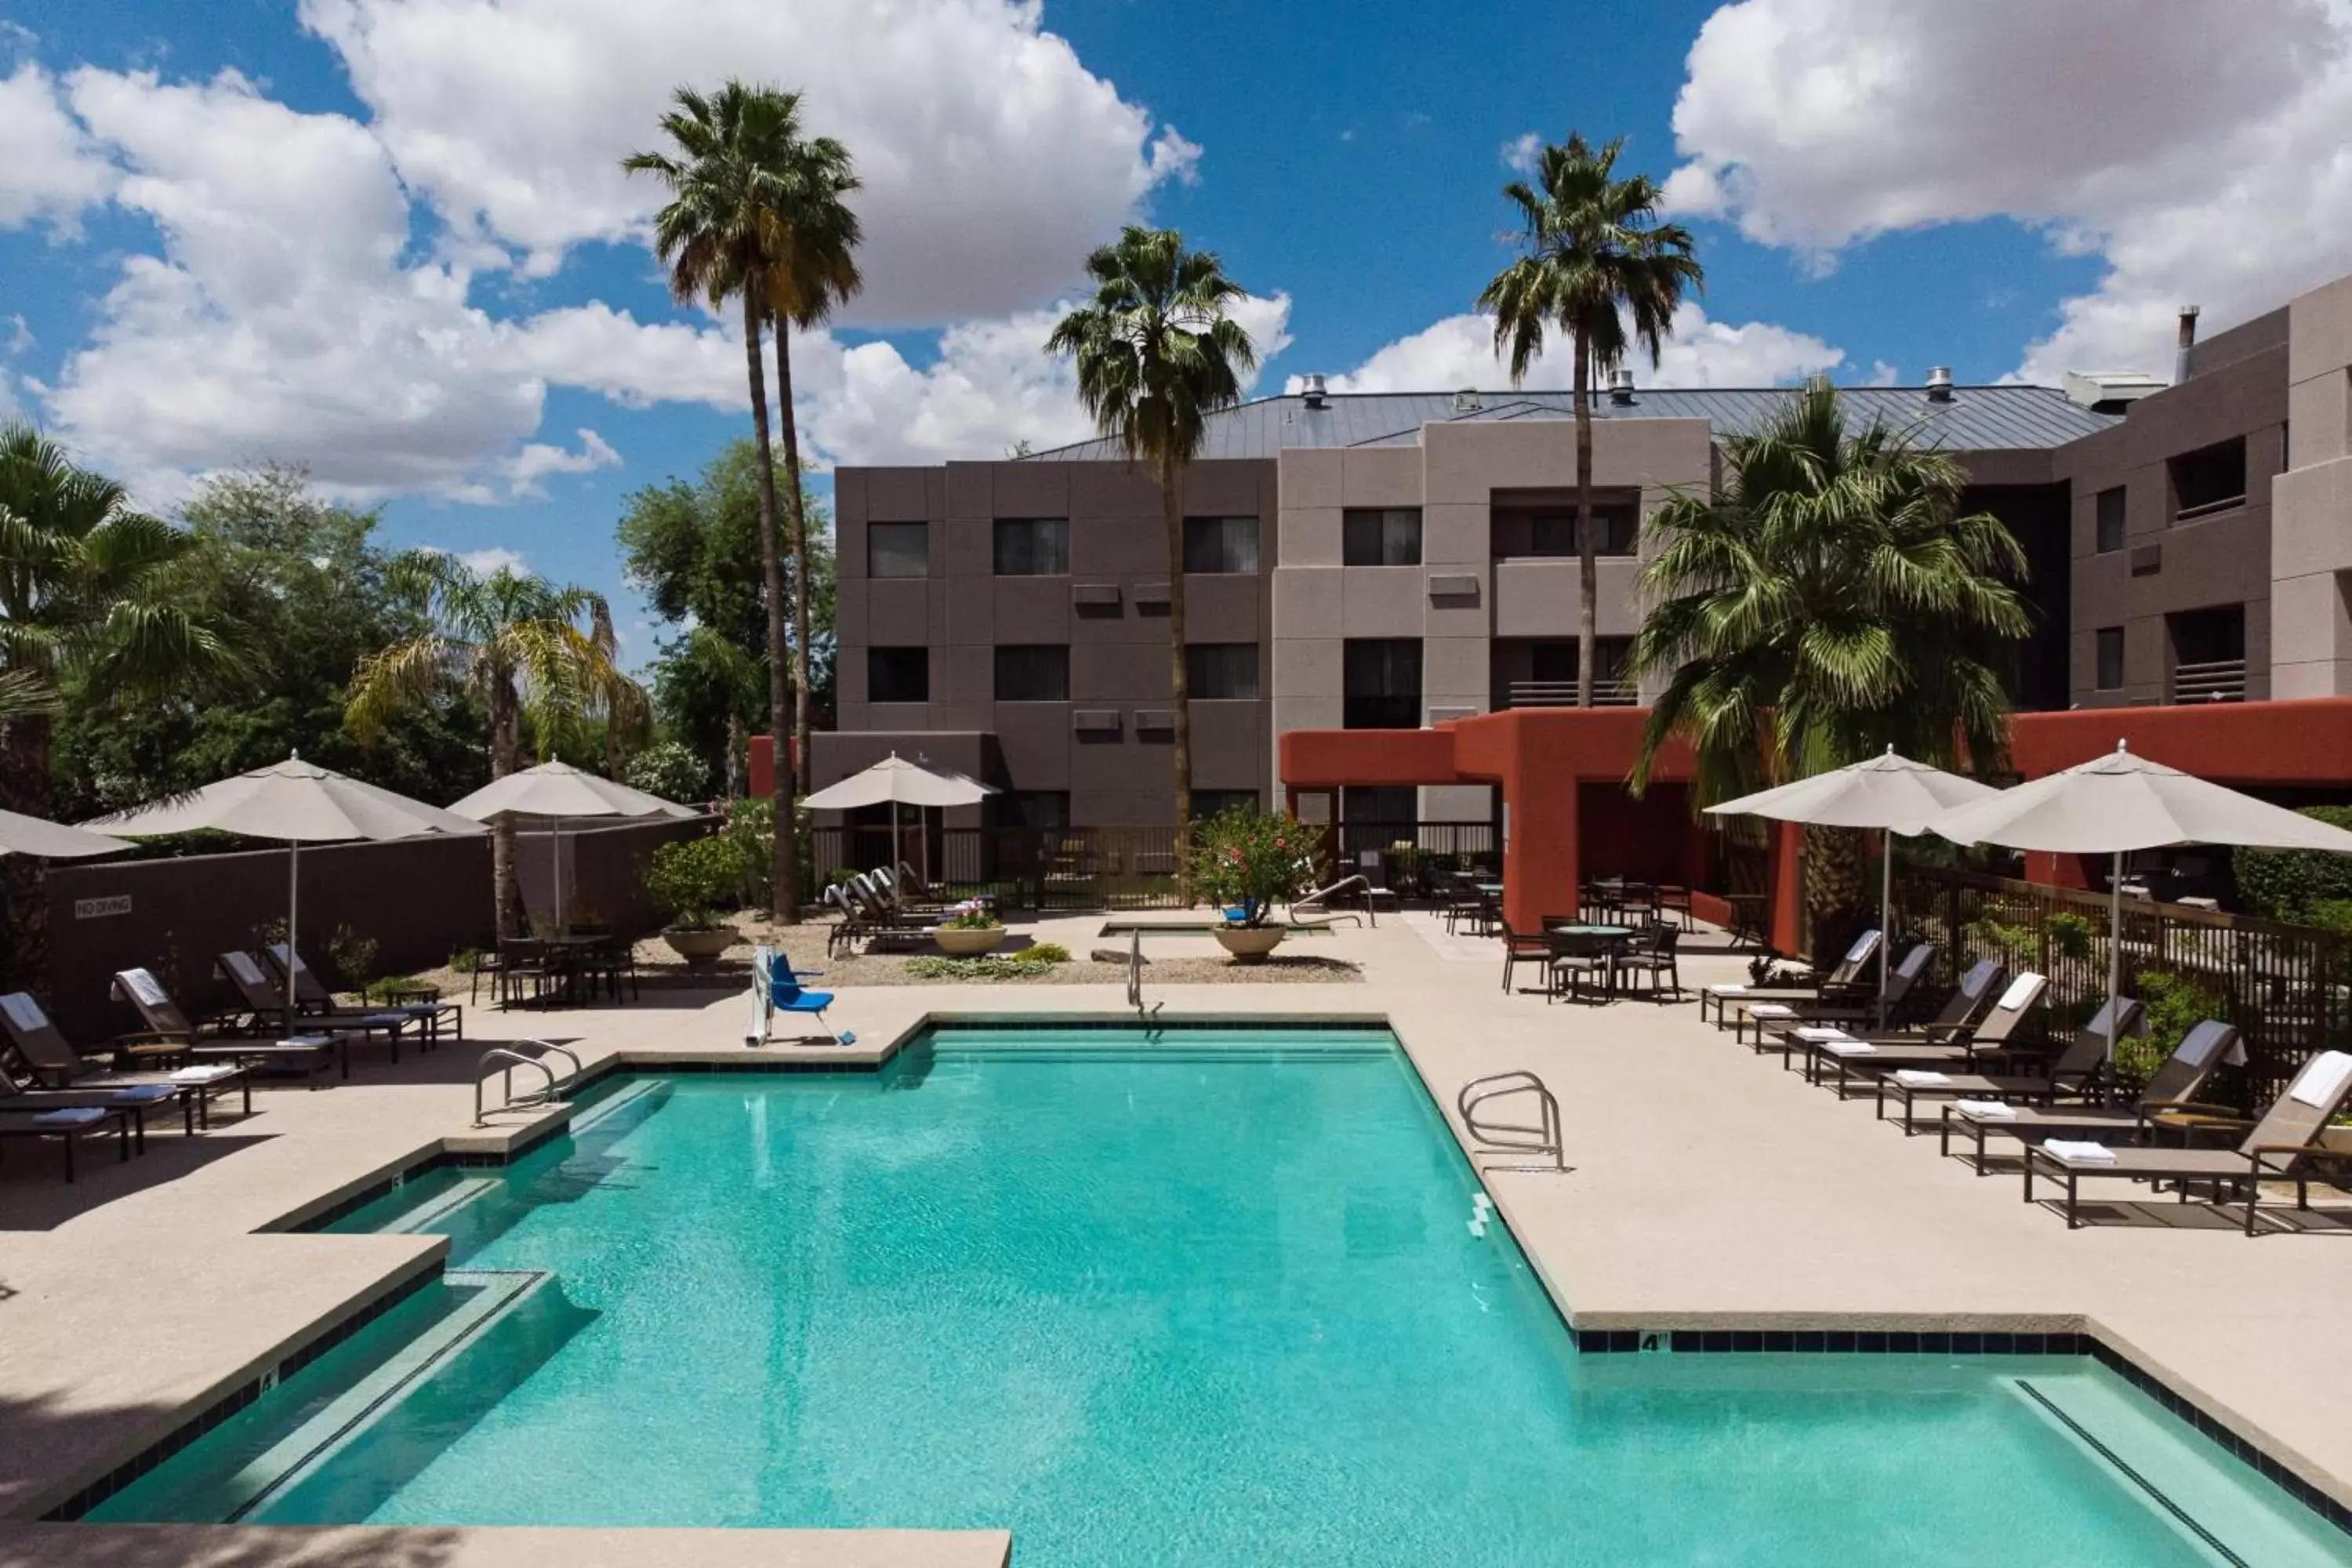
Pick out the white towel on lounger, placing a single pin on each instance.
(1820, 1033)
(2080, 1153)
(1771, 1010)
(1920, 1077)
(1724, 990)
(203, 1074)
(1849, 1047)
(1986, 1110)
(2321, 1082)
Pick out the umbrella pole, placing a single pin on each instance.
(558, 840)
(894, 839)
(293, 922)
(2115, 946)
(1885, 912)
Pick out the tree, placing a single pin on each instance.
(1831, 601)
(748, 191)
(517, 644)
(693, 547)
(1157, 354)
(1597, 263)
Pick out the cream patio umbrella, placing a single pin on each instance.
(1891, 794)
(300, 803)
(52, 840)
(895, 782)
(2119, 803)
(557, 792)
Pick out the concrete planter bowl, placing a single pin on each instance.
(700, 948)
(968, 941)
(1249, 944)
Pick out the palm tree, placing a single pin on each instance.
(1156, 354)
(1831, 600)
(746, 191)
(1597, 263)
(515, 642)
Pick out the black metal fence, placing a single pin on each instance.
(2288, 988)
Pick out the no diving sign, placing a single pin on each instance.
(94, 909)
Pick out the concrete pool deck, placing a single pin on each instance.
(1707, 1189)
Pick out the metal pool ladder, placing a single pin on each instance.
(504, 1059)
(1494, 1110)
(1135, 979)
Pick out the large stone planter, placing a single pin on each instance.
(968, 941)
(1249, 944)
(700, 948)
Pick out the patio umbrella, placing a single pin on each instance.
(1891, 794)
(895, 782)
(300, 803)
(557, 792)
(52, 840)
(2119, 803)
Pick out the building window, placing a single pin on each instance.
(1209, 802)
(1379, 806)
(1220, 544)
(897, 550)
(1382, 683)
(1033, 546)
(2111, 520)
(1550, 680)
(1038, 672)
(1543, 524)
(898, 675)
(2208, 654)
(2210, 480)
(2110, 672)
(1221, 670)
(1380, 536)
(1046, 808)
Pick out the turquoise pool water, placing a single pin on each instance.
(1214, 1298)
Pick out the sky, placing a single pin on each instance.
(390, 241)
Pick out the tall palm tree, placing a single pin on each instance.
(1831, 600)
(740, 182)
(1156, 354)
(517, 643)
(1598, 262)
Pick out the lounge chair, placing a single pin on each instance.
(265, 998)
(2073, 1071)
(1841, 982)
(1978, 988)
(2169, 1103)
(68, 1124)
(1995, 1036)
(2283, 1146)
(166, 1021)
(313, 1000)
(1857, 1008)
(56, 1065)
(21, 1094)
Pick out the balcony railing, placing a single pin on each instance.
(1607, 692)
(2215, 680)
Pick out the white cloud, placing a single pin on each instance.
(2202, 147)
(992, 158)
(1459, 352)
(50, 169)
(1520, 151)
(497, 558)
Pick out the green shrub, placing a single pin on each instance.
(1044, 953)
(465, 960)
(352, 957)
(994, 966)
(671, 771)
(2286, 884)
(1248, 861)
(2069, 934)
(2175, 1003)
(2330, 914)
(694, 879)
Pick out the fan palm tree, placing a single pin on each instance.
(1830, 600)
(1601, 270)
(517, 644)
(1156, 354)
(755, 215)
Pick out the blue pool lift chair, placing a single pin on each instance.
(775, 988)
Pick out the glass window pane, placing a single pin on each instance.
(899, 674)
(1032, 547)
(2110, 674)
(1221, 671)
(1032, 673)
(2110, 521)
(1220, 544)
(897, 549)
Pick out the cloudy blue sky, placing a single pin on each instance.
(389, 239)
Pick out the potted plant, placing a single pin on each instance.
(969, 929)
(1248, 862)
(693, 880)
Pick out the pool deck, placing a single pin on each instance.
(1707, 1189)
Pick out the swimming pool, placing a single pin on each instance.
(1212, 1298)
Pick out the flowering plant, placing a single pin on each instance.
(1248, 862)
(973, 914)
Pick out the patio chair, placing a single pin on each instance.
(527, 972)
(68, 1124)
(2075, 1071)
(2285, 1145)
(314, 1000)
(165, 1021)
(1997, 1035)
(264, 1000)
(1652, 952)
(777, 989)
(1463, 902)
(2169, 1103)
(57, 1066)
(1576, 954)
(1520, 947)
(1675, 905)
(1839, 982)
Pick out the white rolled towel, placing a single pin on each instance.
(2080, 1153)
(1724, 990)
(1771, 1010)
(202, 1073)
(1849, 1047)
(1919, 1077)
(1820, 1033)
(1986, 1110)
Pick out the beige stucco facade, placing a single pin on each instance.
(2311, 522)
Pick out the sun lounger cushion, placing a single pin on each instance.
(1864, 945)
(1986, 1110)
(56, 1121)
(2196, 1049)
(2321, 1082)
(23, 1011)
(2079, 1153)
(145, 987)
(2020, 991)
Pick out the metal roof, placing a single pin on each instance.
(1978, 418)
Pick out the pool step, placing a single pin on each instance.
(2222, 1508)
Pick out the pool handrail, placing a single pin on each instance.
(508, 1056)
(1544, 1138)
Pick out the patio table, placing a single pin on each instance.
(1614, 936)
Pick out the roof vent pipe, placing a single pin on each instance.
(1466, 400)
(1311, 387)
(2188, 341)
(1939, 384)
(1621, 388)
